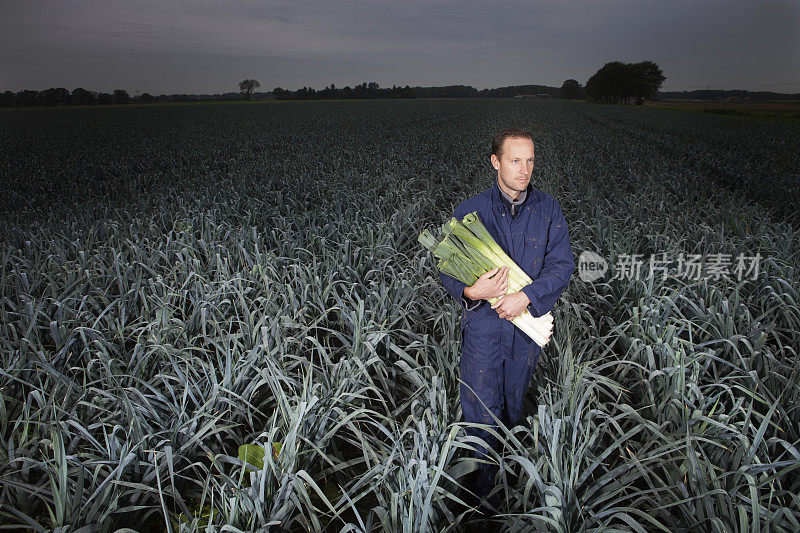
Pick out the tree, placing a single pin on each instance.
(246, 87)
(53, 96)
(121, 96)
(81, 96)
(618, 82)
(571, 89)
(648, 79)
(280, 94)
(8, 99)
(27, 98)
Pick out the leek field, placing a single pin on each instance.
(218, 318)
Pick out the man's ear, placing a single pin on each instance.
(495, 162)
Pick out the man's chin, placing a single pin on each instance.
(517, 186)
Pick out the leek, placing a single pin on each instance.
(466, 251)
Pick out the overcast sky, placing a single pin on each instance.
(200, 46)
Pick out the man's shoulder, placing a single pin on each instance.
(545, 203)
(478, 203)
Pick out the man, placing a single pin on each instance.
(497, 359)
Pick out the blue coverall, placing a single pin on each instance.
(497, 359)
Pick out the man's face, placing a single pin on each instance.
(514, 166)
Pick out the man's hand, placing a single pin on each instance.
(511, 305)
(493, 284)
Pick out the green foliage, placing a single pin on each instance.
(168, 301)
(246, 87)
(618, 82)
(572, 90)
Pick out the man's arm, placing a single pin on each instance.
(456, 290)
(491, 284)
(544, 291)
(487, 286)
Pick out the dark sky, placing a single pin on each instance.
(200, 46)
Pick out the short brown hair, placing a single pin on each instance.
(511, 133)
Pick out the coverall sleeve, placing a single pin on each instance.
(456, 290)
(558, 265)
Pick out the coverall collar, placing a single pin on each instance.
(499, 200)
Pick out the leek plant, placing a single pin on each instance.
(256, 283)
(466, 251)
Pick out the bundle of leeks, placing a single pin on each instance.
(466, 251)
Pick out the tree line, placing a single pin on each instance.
(618, 83)
(80, 96)
(625, 83)
(614, 83)
(61, 96)
(364, 90)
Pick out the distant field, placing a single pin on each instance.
(221, 314)
(789, 110)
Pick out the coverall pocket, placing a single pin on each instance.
(480, 332)
(535, 246)
(536, 240)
